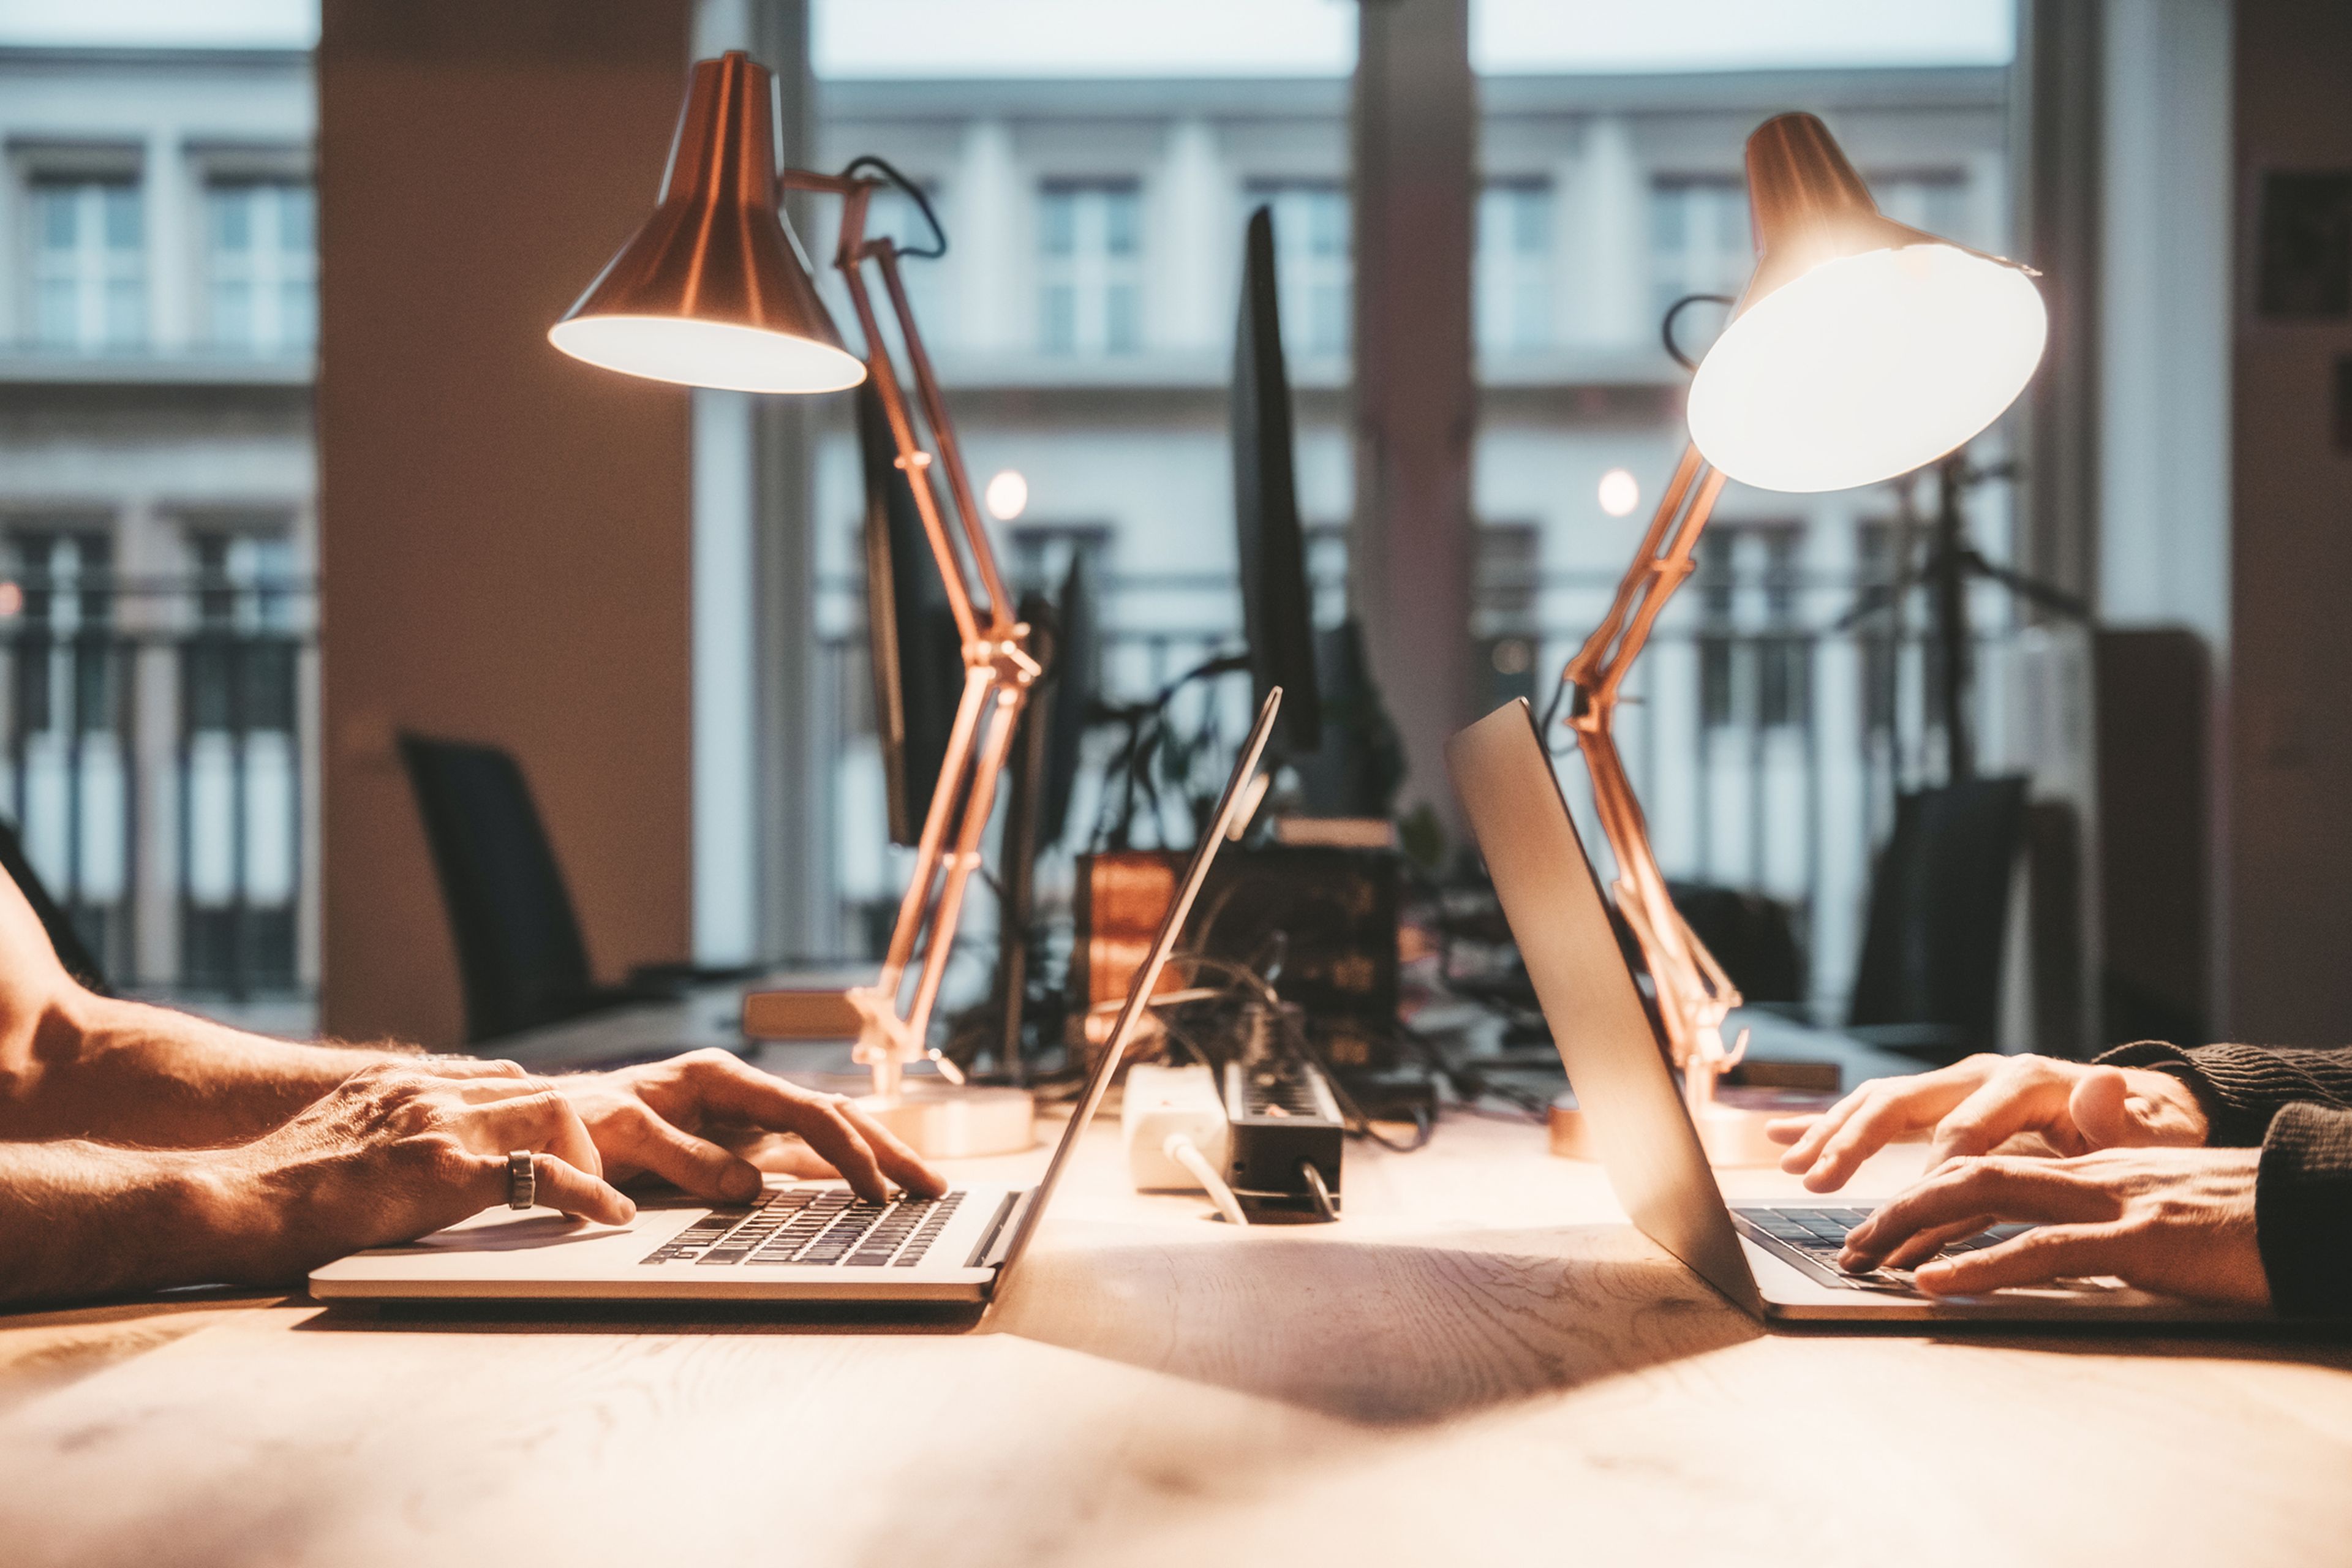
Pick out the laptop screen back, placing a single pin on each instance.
(1630, 1103)
(1232, 807)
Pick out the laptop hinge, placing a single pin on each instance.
(1000, 1230)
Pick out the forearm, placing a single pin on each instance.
(2241, 1088)
(81, 1219)
(133, 1074)
(2302, 1211)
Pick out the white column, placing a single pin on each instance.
(990, 219)
(1604, 243)
(726, 712)
(174, 256)
(1195, 232)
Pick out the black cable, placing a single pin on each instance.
(1666, 327)
(938, 248)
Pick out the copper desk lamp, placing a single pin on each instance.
(713, 291)
(1862, 349)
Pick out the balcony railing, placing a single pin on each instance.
(1766, 744)
(159, 766)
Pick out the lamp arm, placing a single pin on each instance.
(1694, 994)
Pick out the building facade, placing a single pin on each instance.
(158, 507)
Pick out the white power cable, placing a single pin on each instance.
(1185, 1152)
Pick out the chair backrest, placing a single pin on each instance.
(72, 951)
(519, 951)
(1931, 952)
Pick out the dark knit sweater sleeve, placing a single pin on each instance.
(2302, 1211)
(2241, 1088)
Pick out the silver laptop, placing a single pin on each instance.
(797, 1241)
(1774, 1259)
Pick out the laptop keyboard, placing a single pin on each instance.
(1811, 1238)
(820, 1225)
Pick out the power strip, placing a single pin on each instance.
(1287, 1137)
(1176, 1137)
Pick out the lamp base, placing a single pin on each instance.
(948, 1123)
(1730, 1126)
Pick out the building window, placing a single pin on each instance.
(1512, 293)
(1935, 200)
(1699, 242)
(1755, 661)
(262, 266)
(1090, 246)
(1312, 266)
(240, 796)
(90, 265)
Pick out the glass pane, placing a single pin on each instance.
(1767, 737)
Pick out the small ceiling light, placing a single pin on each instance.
(1621, 493)
(1007, 495)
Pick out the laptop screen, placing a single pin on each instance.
(1232, 807)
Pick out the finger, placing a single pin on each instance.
(2037, 1190)
(565, 1187)
(2024, 1097)
(483, 1090)
(1818, 1129)
(541, 1120)
(694, 1164)
(467, 1067)
(898, 1160)
(2114, 1111)
(2043, 1254)
(1788, 1129)
(730, 1088)
(1925, 1244)
(1898, 1108)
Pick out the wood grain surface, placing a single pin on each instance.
(1482, 1363)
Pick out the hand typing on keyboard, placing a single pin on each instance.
(2176, 1221)
(1980, 1104)
(694, 1119)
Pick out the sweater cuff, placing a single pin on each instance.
(2302, 1211)
(2240, 1088)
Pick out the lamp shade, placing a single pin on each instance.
(712, 292)
(1863, 347)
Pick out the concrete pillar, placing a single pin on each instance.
(1197, 232)
(175, 238)
(989, 222)
(1415, 131)
(1604, 243)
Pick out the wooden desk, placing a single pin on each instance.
(1482, 1364)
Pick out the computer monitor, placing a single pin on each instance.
(1078, 658)
(1277, 609)
(918, 658)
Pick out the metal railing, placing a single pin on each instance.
(1767, 743)
(159, 766)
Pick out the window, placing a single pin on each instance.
(1936, 200)
(1503, 614)
(1090, 253)
(1699, 241)
(1512, 287)
(262, 266)
(1311, 263)
(240, 788)
(1755, 663)
(89, 286)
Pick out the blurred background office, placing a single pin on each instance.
(655, 597)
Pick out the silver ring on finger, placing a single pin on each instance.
(522, 1180)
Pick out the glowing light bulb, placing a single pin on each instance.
(1867, 367)
(1621, 493)
(1007, 495)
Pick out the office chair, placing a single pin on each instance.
(1928, 983)
(519, 951)
(71, 950)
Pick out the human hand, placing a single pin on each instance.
(396, 1151)
(1980, 1103)
(686, 1119)
(2177, 1221)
